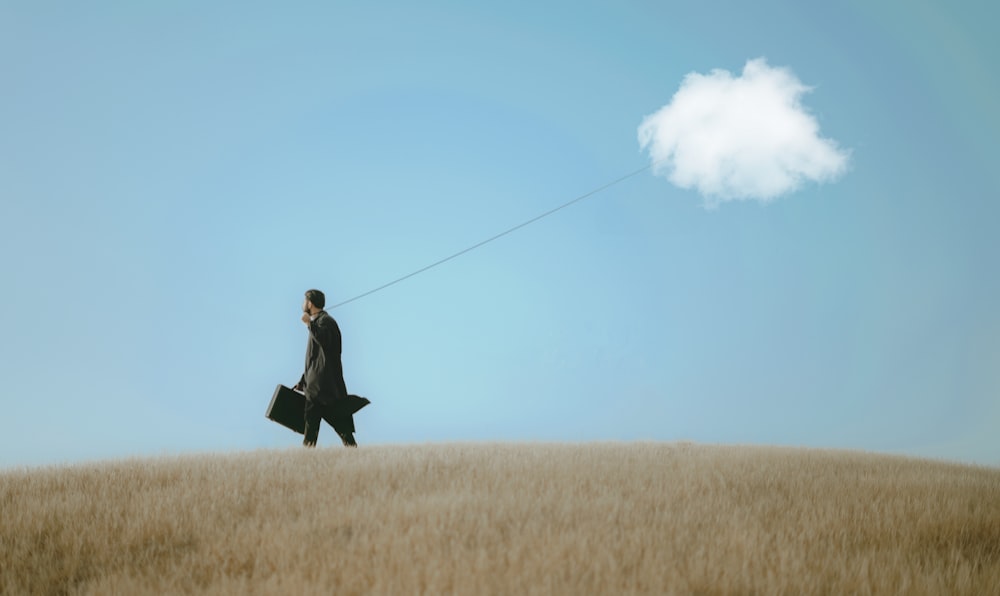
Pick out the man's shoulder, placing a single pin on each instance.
(324, 319)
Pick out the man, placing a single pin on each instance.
(323, 380)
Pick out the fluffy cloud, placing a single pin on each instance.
(745, 137)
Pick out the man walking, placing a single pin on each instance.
(322, 383)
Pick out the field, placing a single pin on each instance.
(522, 518)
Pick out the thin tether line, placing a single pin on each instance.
(492, 238)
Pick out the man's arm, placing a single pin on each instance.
(307, 319)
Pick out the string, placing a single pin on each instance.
(494, 237)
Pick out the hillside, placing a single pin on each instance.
(608, 518)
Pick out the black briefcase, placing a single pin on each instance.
(288, 408)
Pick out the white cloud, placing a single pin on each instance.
(745, 137)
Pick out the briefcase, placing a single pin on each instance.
(288, 408)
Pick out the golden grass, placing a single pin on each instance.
(641, 518)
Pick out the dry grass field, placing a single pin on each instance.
(637, 518)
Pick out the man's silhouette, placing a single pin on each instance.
(322, 383)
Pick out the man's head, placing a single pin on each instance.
(314, 302)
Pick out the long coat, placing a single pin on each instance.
(323, 379)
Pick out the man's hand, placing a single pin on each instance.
(306, 318)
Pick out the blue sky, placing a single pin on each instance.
(173, 177)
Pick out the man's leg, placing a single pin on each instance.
(344, 425)
(313, 414)
(348, 439)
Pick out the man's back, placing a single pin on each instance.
(324, 374)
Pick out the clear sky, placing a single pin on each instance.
(174, 175)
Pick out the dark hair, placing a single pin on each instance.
(316, 297)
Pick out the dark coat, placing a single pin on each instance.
(323, 380)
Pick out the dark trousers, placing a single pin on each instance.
(342, 423)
